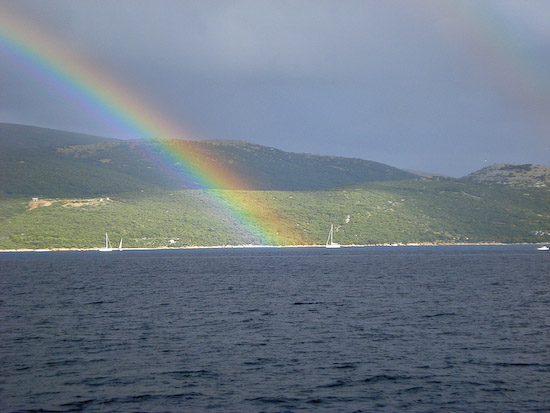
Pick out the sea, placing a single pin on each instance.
(389, 329)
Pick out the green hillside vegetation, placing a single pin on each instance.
(273, 169)
(13, 136)
(51, 173)
(48, 163)
(512, 174)
(89, 185)
(416, 211)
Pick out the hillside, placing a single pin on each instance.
(50, 163)
(87, 186)
(415, 211)
(512, 174)
(13, 136)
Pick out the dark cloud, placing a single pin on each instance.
(424, 84)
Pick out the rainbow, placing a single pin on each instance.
(108, 101)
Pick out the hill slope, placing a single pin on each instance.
(512, 174)
(424, 210)
(13, 136)
(149, 205)
(51, 163)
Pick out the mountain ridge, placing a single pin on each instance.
(65, 167)
(512, 174)
(82, 191)
(16, 136)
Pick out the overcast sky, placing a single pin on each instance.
(434, 85)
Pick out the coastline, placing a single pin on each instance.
(253, 246)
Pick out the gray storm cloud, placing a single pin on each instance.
(416, 84)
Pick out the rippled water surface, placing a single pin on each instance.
(355, 329)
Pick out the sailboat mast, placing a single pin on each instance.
(330, 243)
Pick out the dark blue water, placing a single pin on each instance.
(358, 329)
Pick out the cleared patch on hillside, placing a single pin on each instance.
(33, 204)
(75, 203)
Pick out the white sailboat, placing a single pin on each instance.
(108, 247)
(120, 245)
(330, 243)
